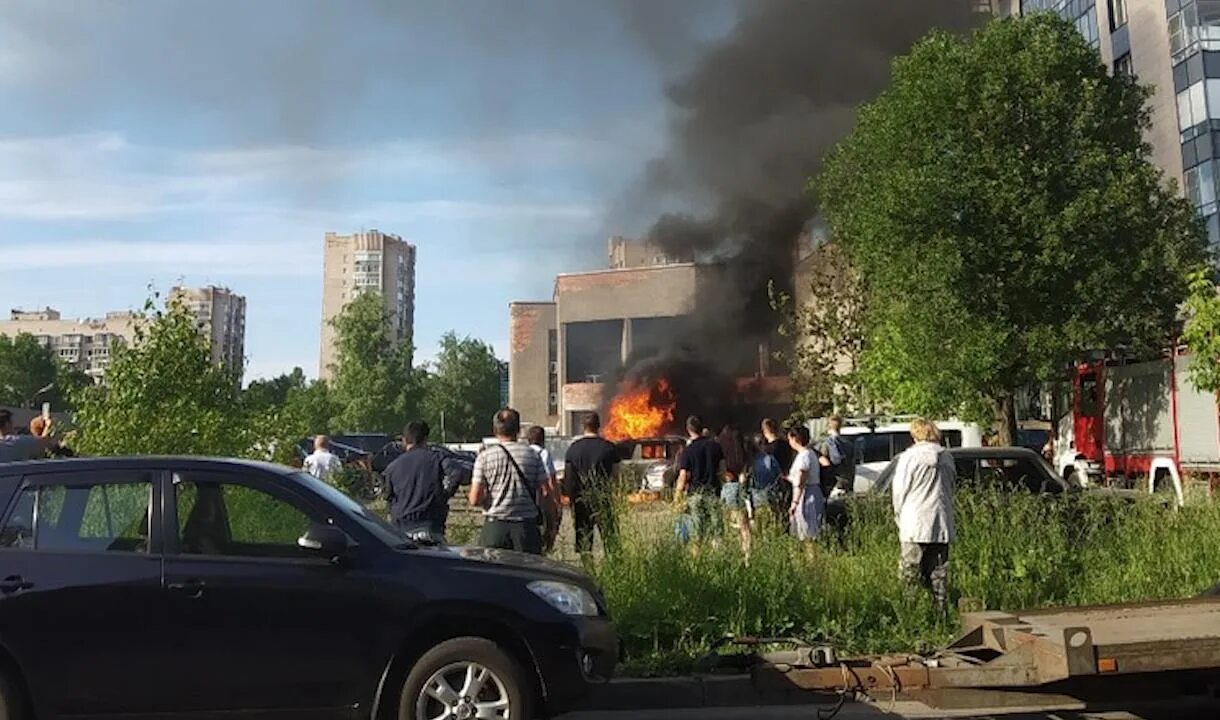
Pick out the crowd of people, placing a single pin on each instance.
(780, 473)
(723, 481)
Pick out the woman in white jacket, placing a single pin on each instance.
(924, 477)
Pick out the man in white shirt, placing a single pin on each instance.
(924, 479)
(322, 463)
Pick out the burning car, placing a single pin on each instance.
(655, 458)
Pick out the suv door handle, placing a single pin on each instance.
(191, 588)
(13, 584)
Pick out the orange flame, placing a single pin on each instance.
(640, 411)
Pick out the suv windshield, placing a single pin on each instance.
(384, 531)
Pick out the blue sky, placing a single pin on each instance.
(216, 142)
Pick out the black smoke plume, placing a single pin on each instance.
(750, 122)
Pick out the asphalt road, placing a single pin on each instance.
(1187, 710)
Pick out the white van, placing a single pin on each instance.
(876, 446)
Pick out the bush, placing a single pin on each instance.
(1012, 552)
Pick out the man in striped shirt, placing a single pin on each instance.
(511, 485)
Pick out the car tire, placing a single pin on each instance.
(442, 678)
(12, 701)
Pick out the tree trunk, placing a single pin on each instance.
(1005, 418)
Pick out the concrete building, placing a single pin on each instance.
(563, 352)
(1173, 45)
(631, 253)
(361, 262)
(221, 317)
(84, 343)
(87, 342)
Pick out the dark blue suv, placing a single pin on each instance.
(193, 587)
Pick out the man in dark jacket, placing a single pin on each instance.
(415, 486)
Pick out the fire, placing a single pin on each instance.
(640, 411)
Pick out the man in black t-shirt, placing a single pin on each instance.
(699, 477)
(588, 468)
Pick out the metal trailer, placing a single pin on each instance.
(1039, 659)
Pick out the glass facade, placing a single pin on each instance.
(1193, 25)
(1194, 42)
(1081, 12)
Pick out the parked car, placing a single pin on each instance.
(655, 457)
(877, 444)
(390, 452)
(187, 586)
(1003, 468)
(1006, 468)
(346, 453)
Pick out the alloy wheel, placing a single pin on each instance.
(463, 691)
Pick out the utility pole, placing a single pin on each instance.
(442, 427)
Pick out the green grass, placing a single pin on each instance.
(1012, 552)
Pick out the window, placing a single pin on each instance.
(106, 516)
(1196, 26)
(875, 447)
(966, 471)
(1200, 184)
(1192, 107)
(1015, 474)
(1118, 14)
(1123, 66)
(219, 517)
(1089, 396)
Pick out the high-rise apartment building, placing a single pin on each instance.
(362, 262)
(1174, 46)
(83, 343)
(87, 343)
(220, 315)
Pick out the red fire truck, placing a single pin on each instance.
(1138, 421)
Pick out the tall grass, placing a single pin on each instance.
(1012, 552)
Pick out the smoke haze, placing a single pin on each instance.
(750, 119)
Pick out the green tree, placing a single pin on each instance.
(273, 392)
(373, 384)
(306, 410)
(31, 374)
(463, 386)
(163, 395)
(1202, 330)
(1000, 207)
(827, 336)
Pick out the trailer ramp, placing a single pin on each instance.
(1044, 658)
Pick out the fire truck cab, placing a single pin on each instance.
(1136, 422)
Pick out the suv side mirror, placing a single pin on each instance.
(326, 540)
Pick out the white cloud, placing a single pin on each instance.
(101, 176)
(231, 258)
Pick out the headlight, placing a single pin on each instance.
(567, 599)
